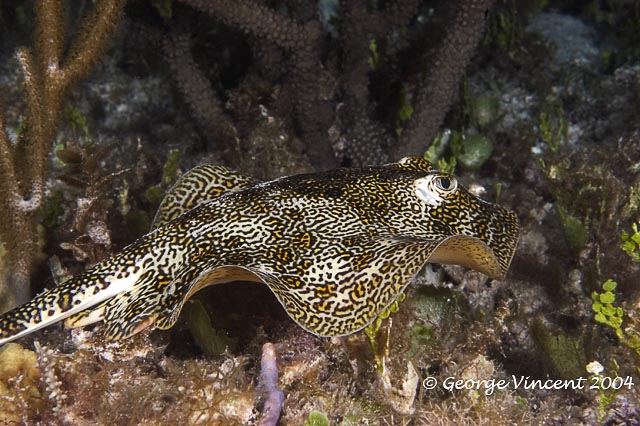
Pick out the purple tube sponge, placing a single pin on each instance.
(268, 385)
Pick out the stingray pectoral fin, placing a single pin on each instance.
(87, 317)
(137, 308)
(172, 305)
(157, 299)
(344, 296)
(199, 186)
(469, 252)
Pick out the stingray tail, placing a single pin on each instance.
(98, 284)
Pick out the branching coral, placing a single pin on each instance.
(50, 71)
(440, 85)
(301, 40)
(368, 140)
(340, 106)
(204, 104)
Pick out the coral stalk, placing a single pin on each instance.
(206, 108)
(439, 88)
(48, 76)
(313, 113)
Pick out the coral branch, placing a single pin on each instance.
(367, 141)
(34, 88)
(437, 91)
(328, 78)
(49, 33)
(24, 164)
(32, 203)
(260, 20)
(313, 110)
(203, 101)
(95, 33)
(7, 170)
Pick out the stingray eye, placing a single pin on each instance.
(444, 183)
(435, 188)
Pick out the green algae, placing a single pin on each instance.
(211, 341)
(565, 352)
(317, 418)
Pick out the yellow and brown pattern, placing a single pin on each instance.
(336, 248)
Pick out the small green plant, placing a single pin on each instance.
(603, 306)
(170, 174)
(374, 58)
(317, 418)
(470, 149)
(372, 333)
(631, 243)
(438, 146)
(506, 26)
(607, 313)
(78, 123)
(554, 126)
(504, 32)
(422, 336)
(447, 166)
(576, 233)
(484, 110)
(211, 341)
(170, 171)
(405, 112)
(608, 386)
(51, 215)
(164, 8)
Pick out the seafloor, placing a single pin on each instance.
(552, 104)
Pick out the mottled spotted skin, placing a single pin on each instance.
(197, 187)
(336, 248)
